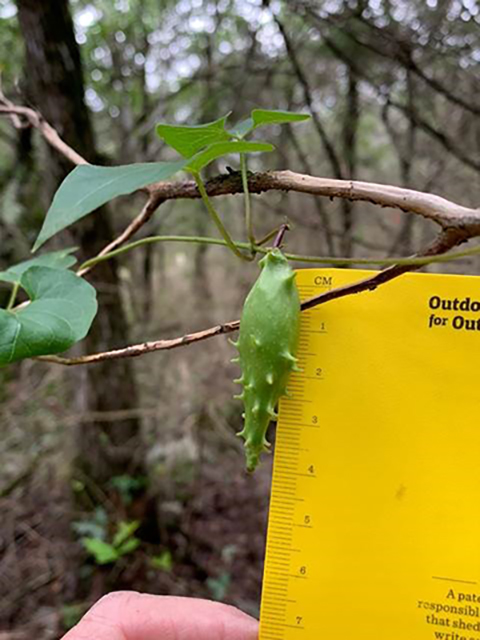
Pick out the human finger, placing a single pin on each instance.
(128, 615)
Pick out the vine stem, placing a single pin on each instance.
(248, 208)
(13, 296)
(269, 236)
(279, 239)
(418, 261)
(216, 218)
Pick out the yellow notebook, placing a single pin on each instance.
(374, 526)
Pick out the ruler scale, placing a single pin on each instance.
(374, 527)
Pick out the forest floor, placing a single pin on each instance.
(214, 550)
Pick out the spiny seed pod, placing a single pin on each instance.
(267, 345)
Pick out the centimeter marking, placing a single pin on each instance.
(278, 565)
(283, 565)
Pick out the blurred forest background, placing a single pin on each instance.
(128, 474)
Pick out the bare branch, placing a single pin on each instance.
(146, 347)
(445, 241)
(307, 93)
(430, 206)
(447, 142)
(35, 119)
(435, 208)
(458, 224)
(152, 204)
(307, 168)
(392, 49)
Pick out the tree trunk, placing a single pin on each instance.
(55, 86)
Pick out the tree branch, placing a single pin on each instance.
(458, 224)
(35, 119)
(152, 204)
(435, 208)
(445, 241)
(146, 347)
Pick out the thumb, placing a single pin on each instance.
(128, 615)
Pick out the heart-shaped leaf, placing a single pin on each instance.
(220, 149)
(60, 312)
(188, 140)
(89, 186)
(262, 117)
(56, 259)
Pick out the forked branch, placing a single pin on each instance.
(457, 224)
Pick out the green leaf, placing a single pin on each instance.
(61, 310)
(220, 149)
(124, 531)
(188, 140)
(127, 547)
(244, 127)
(103, 552)
(89, 186)
(163, 561)
(55, 259)
(262, 117)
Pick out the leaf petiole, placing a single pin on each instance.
(13, 296)
(216, 218)
(248, 209)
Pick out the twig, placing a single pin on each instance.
(440, 245)
(51, 136)
(458, 224)
(443, 243)
(36, 120)
(435, 208)
(307, 168)
(152, 204)
(146, 347)
(444, 212)
(277, 243)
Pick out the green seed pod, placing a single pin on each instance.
(267, 345)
